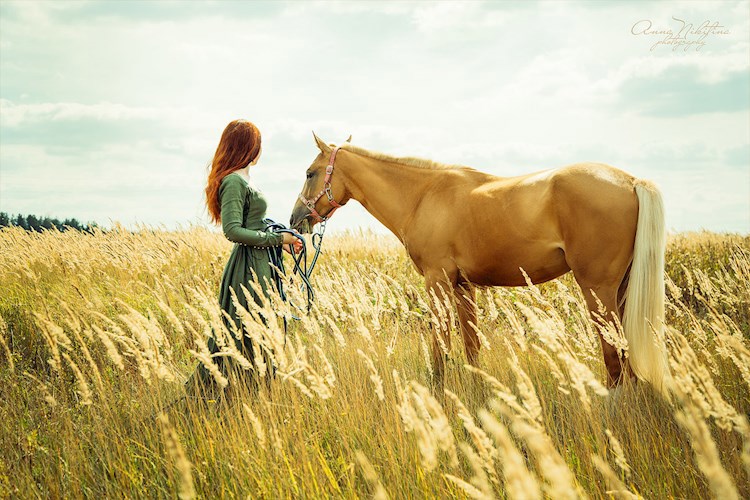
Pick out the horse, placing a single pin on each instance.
(464, 228)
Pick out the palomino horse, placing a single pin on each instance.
(462, 228)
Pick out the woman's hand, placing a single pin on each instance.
(290, 239)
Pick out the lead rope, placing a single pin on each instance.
(301, 267)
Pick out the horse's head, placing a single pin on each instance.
(322, 192)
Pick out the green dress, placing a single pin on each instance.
(243, 209)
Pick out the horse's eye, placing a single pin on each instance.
(310, 174)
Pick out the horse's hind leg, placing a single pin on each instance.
(617, 367)
(467, 315)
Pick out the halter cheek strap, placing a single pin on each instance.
(310, 202)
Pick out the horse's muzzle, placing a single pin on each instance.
(300, 220)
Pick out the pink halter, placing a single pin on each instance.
(310, 203)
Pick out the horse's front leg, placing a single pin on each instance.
(440, 290)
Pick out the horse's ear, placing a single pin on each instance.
(350, 138)
(324, 148)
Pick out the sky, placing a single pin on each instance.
(110, 111)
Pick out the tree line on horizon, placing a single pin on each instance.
(34, 223)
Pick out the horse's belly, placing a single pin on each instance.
(504, 268)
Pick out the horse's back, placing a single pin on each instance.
(590, 175)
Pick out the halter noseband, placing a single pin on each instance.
(310, 203)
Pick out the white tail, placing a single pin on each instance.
(643, 319)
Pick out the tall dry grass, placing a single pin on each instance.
(99, 332)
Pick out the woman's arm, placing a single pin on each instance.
(232, 193)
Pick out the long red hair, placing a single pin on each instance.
(239, 145)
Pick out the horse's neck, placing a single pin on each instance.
(389, 191)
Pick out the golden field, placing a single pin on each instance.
(99, 332)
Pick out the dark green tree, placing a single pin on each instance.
(21, 222)
(72, 224)
(32, 223)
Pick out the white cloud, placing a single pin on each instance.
(14, 115)
(712, 69)
(439, 16)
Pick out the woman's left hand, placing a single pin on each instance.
(297, 244)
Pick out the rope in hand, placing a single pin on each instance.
(301, 266)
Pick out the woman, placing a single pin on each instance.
(240, 208)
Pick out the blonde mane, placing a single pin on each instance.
(405, 160)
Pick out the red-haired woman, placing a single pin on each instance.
(240, 208)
